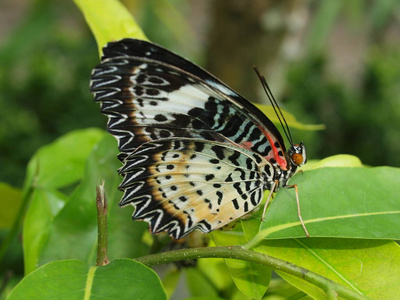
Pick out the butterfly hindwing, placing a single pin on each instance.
(150, 93)
(179, 185)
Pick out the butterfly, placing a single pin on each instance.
(195, 154)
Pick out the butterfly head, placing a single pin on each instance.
(297, 154)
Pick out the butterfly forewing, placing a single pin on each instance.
(151, 93)
(180, 185)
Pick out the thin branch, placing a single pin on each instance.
(239, 252)
(102, 234)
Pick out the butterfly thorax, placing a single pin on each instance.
(273, 172)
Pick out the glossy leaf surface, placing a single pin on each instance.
(290, 119)
(338, 202)
(250, 278)
(372, 268)
(75, 280)
(109, 21)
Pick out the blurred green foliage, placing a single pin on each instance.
(44, 78)
(363, 121)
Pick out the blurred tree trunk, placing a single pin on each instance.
(257, 30)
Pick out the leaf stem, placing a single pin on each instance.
(258, 238)
(102, 235)
(239, 252)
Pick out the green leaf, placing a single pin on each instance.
(73, 232)
(62, 162)
(305, 286)
(237, 295)
(170, 281)
(290, 119)
(10, 203)
(281, 289)
(109, 21)
(369, 267)
(216, 271)
(198, 284)
(37, 222)
(338, 202)
(340, 160)
(60, 227)
(73, 279)
(206, 298)
(250, 278)
(56, 165)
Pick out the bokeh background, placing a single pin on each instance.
(331, 62)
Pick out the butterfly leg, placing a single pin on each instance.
(270, 196)
(298, 207)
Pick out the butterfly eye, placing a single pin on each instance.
(297, 158)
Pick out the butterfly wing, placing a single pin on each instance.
(186, 184)
(150, 93)
(195, 153)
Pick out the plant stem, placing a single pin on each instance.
(239, 252)
(102, 235)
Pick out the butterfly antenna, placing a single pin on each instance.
(275, 106)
